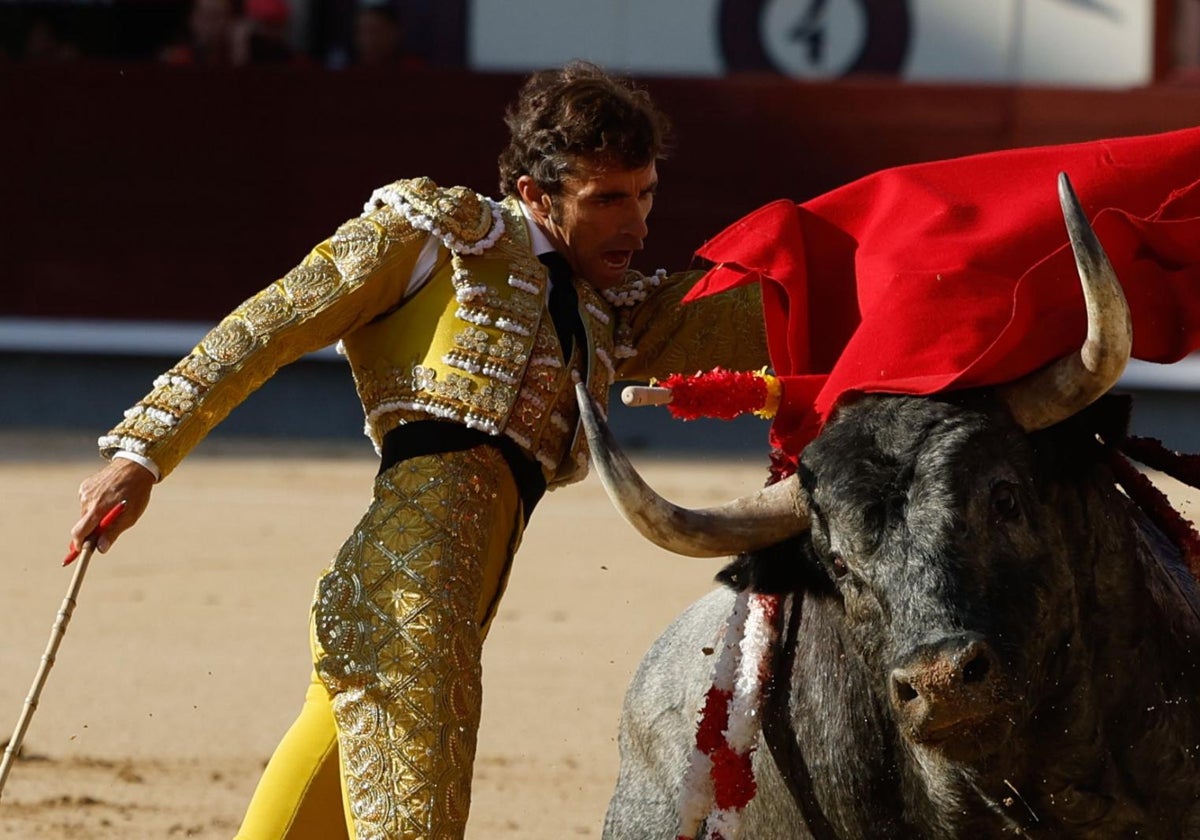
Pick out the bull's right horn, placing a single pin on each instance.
(1072, 383)
(752, 522)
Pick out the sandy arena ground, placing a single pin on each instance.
(187, 655)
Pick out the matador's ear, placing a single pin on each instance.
(535, 198)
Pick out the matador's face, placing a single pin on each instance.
(598, 220)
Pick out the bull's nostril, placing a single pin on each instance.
(977, 669)
(905, 693)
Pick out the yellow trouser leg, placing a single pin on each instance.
(299, 796)
(399, 621)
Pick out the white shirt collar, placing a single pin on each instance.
(537, 237)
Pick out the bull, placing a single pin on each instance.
(985, 637)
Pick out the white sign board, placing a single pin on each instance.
(1093, 43)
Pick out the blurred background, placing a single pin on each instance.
(162, 160)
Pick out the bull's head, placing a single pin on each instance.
(853, 495)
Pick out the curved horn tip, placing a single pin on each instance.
(1065, 190)
(1078, 226)
(1067, 385)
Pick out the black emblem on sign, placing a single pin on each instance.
(815, 38)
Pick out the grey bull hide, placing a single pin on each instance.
(985, 640)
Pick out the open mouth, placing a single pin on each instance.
(963, 728)
(617, 260)
(966, 738)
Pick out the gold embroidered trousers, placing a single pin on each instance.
(398, 625)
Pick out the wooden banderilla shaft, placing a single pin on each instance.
(56, 636)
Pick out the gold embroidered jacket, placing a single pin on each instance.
(474, 344)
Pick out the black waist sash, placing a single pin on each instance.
(431, 437)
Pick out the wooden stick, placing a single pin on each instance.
(56, 635)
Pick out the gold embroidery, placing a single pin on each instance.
(229, 341)
(267, 311)
(397, 229)
(399, 644)
(517, 310)
(475, 340)
(172, 399)
(537, 421)
(478, 353)
(145, 427)
(725, 330)
(357, 246)
(490, 399)
(474, 379)
(199, 368)
(509, 349)
(311, 284)
(458, 211)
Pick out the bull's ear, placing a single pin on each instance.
(789, 566)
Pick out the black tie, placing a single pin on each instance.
(564, 307)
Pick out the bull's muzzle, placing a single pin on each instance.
(950, 697)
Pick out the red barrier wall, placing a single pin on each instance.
(141, 191)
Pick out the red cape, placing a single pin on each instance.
(959, 274)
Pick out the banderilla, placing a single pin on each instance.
(84, 555)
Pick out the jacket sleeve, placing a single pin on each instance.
(724, 330)
(352, 277)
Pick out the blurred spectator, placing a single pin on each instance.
(44, 42)
(265, 36)
(379, 36)
(234, 33)
(212, 29)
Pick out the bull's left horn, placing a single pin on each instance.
(1072, 383)
(756, 521)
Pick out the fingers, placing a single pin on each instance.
(122, 519)
(95, 500)
(103, 493)
(86, 524)
(99, 534)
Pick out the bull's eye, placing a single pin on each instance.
(1005, 507)
(840, 569)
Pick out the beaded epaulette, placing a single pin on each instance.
(465, 221)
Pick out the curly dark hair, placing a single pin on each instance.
(578, 111)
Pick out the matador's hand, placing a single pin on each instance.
(103, 490)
